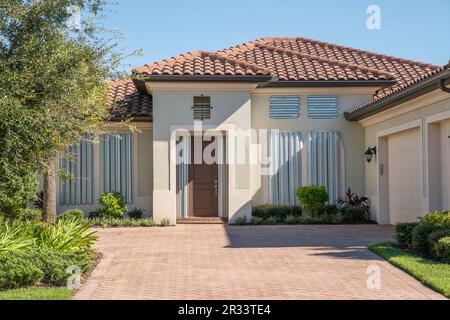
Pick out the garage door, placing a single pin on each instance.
(445, 163)
(405, 176)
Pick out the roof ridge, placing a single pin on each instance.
(202, 54)
(328, 60)
(361, 51)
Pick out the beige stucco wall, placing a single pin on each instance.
(416, 112)
(142, 173)
(172, 109)
(351, 133)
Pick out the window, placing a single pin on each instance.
(285, 167)
(284, 107)
(202, 108)
(76, 186)
(116, 157)
(323, 107)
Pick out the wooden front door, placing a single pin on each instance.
(203, 191)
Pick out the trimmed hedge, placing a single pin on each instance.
(280, 212)
(353, 214)
(442, 249)
(39, 267)
(403, 234)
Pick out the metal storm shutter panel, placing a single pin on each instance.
(285, 167)
(116, 157)
(284, 107)
(78, 189)
(323, 107)
(183, 160)
(325, 162)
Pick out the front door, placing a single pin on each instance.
(203, 191)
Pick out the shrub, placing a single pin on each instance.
(442, 249)
(165, 222)
(13, 239)
(292, 219)
(329, 210)
(121, 222)
(419, 240)
(240, 221)
(312, 199)
(67, 235)
(438, 219)
(29, 214)
(17, 270)
(352, 214)
(38, 266)
(76, 214)
(278, 211)
(257, 220)
(114, 206)
(353, 199)
(434, 237)
(403, 234)
(272, 220)
(136, 213)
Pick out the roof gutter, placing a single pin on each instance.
(423, 87)
(200, 78)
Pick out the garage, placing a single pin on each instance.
(405, 176)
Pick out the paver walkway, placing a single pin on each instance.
(250, 262)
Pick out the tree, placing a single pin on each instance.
(53, 90)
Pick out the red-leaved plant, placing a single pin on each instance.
(352, 199)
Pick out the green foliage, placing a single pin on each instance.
(312, 199)
(434, 238)
(165, 222)
(39, 266)
(431, 273)
(442, 249)
(38, 293)
(329, 210)
(67, 235)
(29, 214)
(72, 214)
(419, 240)
(121, 222)
(292, 219)
(403, 234)
(438, 219)
(136, 213)
(114, 206)
(279, 211)
(257, 220)
(354, 214)
(13, 239)
(240, 221)
(17, 270)
(53, 88)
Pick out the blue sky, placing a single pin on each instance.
(161, 28)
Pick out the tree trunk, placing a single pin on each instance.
(49, 206)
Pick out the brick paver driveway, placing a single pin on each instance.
(251, 262)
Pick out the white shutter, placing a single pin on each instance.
(284, 107)
(285, 167)
(78, 188)
(326, 162)
(323, 107)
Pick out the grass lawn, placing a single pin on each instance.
(433, 274)
(37, 293)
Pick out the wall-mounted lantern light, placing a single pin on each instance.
(370, 153)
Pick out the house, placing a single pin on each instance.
(220, 132)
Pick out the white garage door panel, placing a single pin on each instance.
(405, 176)
(445, 163)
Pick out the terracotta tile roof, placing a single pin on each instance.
(285, 59)
(202, 63)
(290, 65)
(128, 102)
(399, 88)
